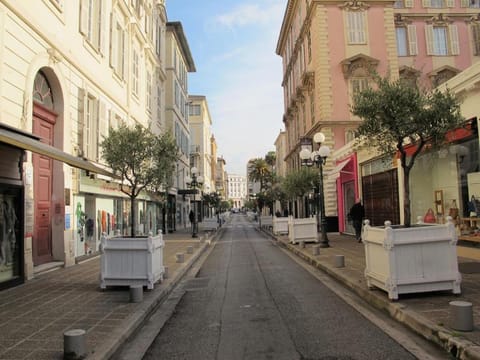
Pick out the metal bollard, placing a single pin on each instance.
(165, 272)
(339, 261)
(461, 315)
(136, 293)
(189, 249)
(316, 250)
(180, 257)
(74, 344)
(302, 244)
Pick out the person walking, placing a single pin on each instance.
(191, 217)
(357, 213)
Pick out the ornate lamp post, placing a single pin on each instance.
(318, 158)
(195, 182)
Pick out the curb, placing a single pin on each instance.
(136, 320)
(459, 348)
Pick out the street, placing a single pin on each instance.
(252, 301)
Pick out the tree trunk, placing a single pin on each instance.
(406, 196)
(132, 216)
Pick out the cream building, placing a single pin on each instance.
(179, 63)
(68, 71)
(201, 140)
(237, 190)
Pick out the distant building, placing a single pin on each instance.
(237, 190)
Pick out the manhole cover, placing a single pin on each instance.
(469, 267)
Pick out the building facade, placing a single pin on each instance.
(68, 73)
(329, 50)
(179, 63)
(237, 190)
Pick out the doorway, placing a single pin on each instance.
(348, 201)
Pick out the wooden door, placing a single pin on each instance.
(43, 127)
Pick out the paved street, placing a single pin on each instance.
(252, 301)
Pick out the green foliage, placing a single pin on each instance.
(397, 115)
(300, 182)
(271, 158)
(141, 159)
(260, 172)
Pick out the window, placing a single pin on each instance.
(135, 71)
(349, 135)
(117, 50)
(195, 110)
(356, 27)
(442, 40)
(90, 129)
(398, 4)
(476, 38)
(158, 36)
(470, 3)
(438, 4)
(91, 22)
(148, 91)
(358, 84)
(406, 40)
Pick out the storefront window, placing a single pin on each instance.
(10, 234)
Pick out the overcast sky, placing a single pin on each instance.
(233, 46)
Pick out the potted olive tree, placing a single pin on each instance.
(142, 161)
(397, 116)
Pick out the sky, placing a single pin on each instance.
(233, 47)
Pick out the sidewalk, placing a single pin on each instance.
(428, 314)
(34, 316)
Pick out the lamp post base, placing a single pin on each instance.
(194, 236)
(324, 245)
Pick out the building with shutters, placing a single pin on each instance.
(328, 51)
(69, 71)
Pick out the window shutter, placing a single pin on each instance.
(429, 38)
(102, 28)
(412, 40)
(426, 3)
(454, 43)
(84, 17)
(450, 3)
(476, 38)
(81, 122)
(409, 3)
(113, 41)
(102, 128)
(465, 3)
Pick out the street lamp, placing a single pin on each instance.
(194, 182)
(318, 158)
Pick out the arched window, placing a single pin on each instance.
(42, 92)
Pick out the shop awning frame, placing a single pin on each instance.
(335, 172)
(30, 142)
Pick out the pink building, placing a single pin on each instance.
(329, 49)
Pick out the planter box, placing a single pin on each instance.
(266, 221)
(127, 261)
(302, 230)
(280, 225)
(421, 258)
(209, 224)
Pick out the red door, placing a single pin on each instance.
(43, 127)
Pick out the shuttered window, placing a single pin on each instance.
(356, 27)
(91, 14)
(476, 38)
(442, 40)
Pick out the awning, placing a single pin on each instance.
(30, 142)
(335, 172)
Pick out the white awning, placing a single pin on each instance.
(31, 143)
(335, 172)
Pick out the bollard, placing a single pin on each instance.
(165, 272)
(189, 249)
(180, 257)
(339, 261)
(74, 344)
(316, 250)
(136, 293)
(302, 244)
(461, 315)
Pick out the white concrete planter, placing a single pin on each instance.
(421, 258)
(266, 221)
(302, 230)
(128, 261)
(209, 224)
(280, 225)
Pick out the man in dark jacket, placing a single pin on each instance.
(357, 213)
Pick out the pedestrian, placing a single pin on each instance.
(357, 213)
(278, 214)
(191, 217)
